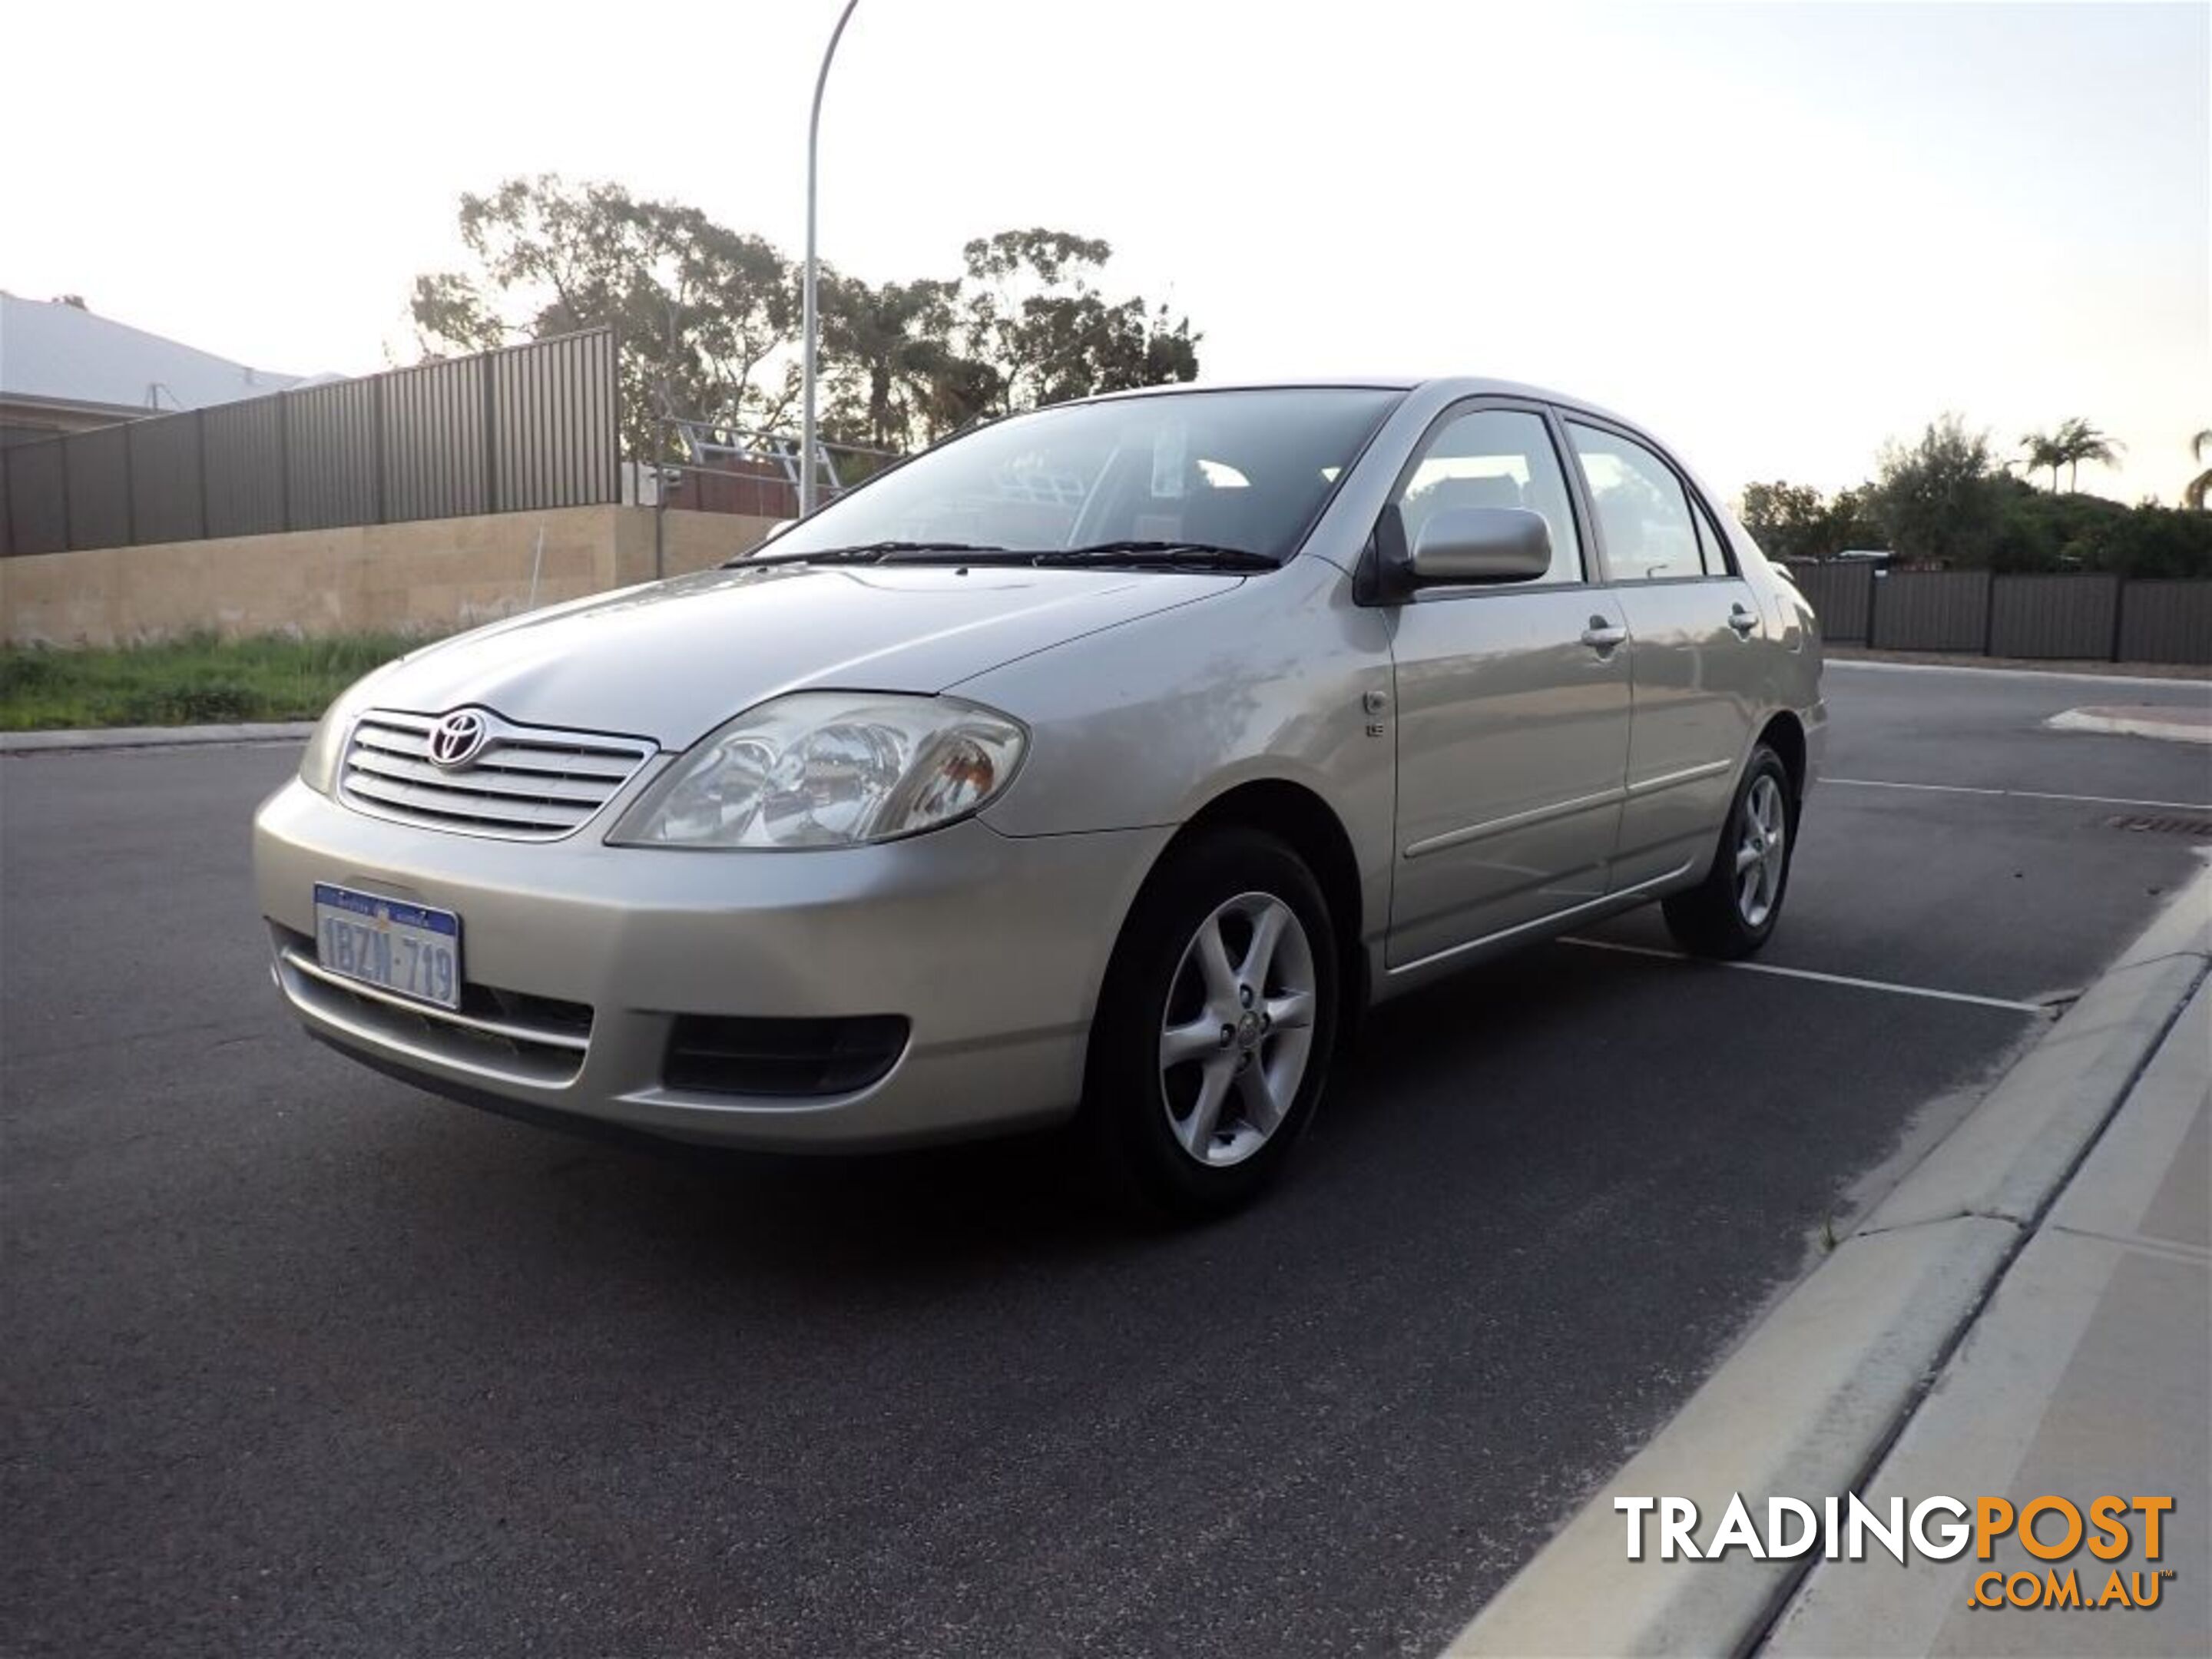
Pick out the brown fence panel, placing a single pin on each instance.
(553, 423)
(330, 472)
(38, 498)
(165, 501)
(2166, 621)
(528, 427)
(243, 467)
(98, 487)
(435, 453)
(2073, 615)
(1841, 592)
(1931, 610)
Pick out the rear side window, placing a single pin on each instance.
(1495, 458)
(1643, 514)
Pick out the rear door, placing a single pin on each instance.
(1512, 705)
(1695, 665)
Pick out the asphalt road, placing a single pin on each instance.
(299, 1361)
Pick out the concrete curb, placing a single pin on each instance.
(2132, 723)
(152, 737)
(2189, 675)
(1808, 1404)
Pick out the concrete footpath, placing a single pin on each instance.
(2089, 1372)
(2028, 1312)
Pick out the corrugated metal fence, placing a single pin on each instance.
(1842, 595)
(1931, 610)
(2086, 615)
(528, 427)
(2166, 621)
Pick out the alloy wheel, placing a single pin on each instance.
(1238, 1029)
(1762, 845)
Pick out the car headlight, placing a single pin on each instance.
(829, 768)
(318, 762)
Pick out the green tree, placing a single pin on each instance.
(1781, 517)
(1938, 499)
(1035, 330)
(1794, 521)
(709, 319)
(706, 316)
(887, 362)
(2194, 492)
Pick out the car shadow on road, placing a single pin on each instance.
(1429, 1086)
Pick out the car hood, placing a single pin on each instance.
(673, 661)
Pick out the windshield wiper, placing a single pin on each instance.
(1151, 554)
(1203, 554)
(865, 553)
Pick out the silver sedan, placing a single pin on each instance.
(1094, 766)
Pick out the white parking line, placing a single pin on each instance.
(2023, 794)
(1929, 992)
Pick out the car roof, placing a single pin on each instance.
(1448, 388)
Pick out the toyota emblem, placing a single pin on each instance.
(458, 739)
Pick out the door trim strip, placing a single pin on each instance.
(1534, 815)
(1670, 780)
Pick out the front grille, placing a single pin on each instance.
(737, 1056)
(527, 783)
(540, 1039)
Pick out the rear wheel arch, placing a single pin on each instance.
(1785, 735)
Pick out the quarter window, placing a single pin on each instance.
(1642, 512)
(1495, 458)
(1709, 543)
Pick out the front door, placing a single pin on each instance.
(1512, 707)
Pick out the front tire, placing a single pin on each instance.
(1215, 1026)
(1732, 912)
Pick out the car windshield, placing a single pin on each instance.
(1127, 477)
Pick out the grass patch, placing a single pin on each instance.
(199, 680)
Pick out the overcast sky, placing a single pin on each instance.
(1778, 234)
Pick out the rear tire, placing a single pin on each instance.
(1732, 912)
(1211, 1042)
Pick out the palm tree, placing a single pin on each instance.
(2194, 492)
(2079, 442)
(2043, 450)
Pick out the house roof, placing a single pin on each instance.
(58, 354)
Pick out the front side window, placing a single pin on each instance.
(1495, 457)
(1641, 513)
(1244, 470)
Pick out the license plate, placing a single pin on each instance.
(406, 949)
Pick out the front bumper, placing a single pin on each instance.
(992, 947)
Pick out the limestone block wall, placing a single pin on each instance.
(433, 576)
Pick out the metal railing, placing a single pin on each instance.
(528, 427)
(726, 469)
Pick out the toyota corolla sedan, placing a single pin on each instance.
(1097, 766)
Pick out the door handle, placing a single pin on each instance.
(1602, 637)
(1743, 620)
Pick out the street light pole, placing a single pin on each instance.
(808, 327)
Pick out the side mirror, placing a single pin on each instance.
(1481, 544)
